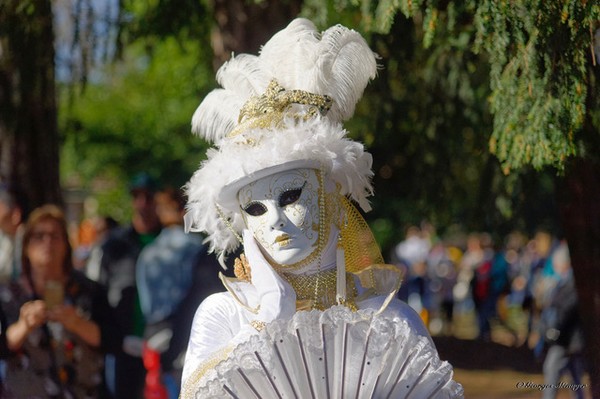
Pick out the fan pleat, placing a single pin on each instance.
(268, 375)
(304, 362)
(335, 354)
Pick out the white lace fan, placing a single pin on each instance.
(333, 354)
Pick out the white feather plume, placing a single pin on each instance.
(212, 120)
(338, 63)
(345, 65)
(291, 54)
(245, 75)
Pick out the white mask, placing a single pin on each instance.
(282, 212)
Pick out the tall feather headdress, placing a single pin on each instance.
(280, 109)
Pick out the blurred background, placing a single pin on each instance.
(483, 122)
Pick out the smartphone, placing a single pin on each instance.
(54, 294)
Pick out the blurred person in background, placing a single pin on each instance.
(543, 280)
(174, 274)
(4, 352)
(13, 213)
(562, 331)
(103, 226)
(57, 318)
(413, 252)
(473, 256)
(489, 283)
(442, 281)
(528, 258)
(125, 372)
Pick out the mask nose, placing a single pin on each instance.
(277, 218)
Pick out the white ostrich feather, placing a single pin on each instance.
(244, 75)
(291, 54)
(212, 119)
(345, 66)
(338, 63)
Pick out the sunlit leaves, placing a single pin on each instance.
(139, 118)
(539, 54)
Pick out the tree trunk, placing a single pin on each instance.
(243, 26)
(29, 144)
(579, 199)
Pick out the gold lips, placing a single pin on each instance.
(283, 240)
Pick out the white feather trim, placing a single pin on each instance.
(343, 160)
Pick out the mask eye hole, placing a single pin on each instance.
(289, 197)
(255, 209)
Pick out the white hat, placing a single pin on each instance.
(278, 111)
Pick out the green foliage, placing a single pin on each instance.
(157, 19)
(137, 119)
(539, 55)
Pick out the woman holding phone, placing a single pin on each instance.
(55, 316)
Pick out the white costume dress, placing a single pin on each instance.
(228, 357)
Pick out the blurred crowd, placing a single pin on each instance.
(102, 311)
(496, 280)
(105, 310)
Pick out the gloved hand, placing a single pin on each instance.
(277, 298)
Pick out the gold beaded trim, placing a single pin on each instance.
(258, 325)
(319, 290)
(269, 109)
(227, 222)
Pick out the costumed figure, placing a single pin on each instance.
(313, 311)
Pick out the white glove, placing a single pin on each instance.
(277, 298)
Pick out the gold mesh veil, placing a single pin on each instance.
(360, 248)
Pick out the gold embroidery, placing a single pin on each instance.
(269, 109)
(191, 385)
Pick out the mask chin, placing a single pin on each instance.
(285, 258)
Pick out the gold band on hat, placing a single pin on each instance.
(270, 108)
